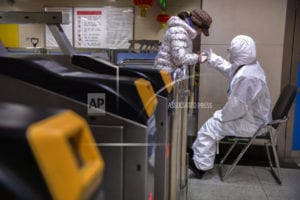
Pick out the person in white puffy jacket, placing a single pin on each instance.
(176, 48)
(247, 108)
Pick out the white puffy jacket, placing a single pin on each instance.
(176, 48)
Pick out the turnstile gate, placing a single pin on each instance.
(42, 82)
(42, 157)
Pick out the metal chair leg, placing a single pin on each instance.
(277, 175)
(228, 171)
(228, 152)
(269, 155)
(225, 157)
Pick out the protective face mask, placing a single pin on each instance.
(189, 22)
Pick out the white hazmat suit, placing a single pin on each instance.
(248, 105)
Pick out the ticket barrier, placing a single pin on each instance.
(179, 120)
(47, 154)
(124, 132)
(162, 84)
(170, 183)
(160, 79)
(178, 123)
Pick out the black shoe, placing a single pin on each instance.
(190, 152)
(198, 172)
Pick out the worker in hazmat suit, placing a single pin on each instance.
(247, 108)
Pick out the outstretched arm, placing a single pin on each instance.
(218, 63)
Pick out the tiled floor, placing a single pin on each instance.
(245, 183)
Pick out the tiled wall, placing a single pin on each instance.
(264, 21)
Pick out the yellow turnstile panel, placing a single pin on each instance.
(147, 95)
(167, 80)
(67, 155)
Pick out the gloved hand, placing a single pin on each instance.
(205, 55)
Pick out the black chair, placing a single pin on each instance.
(266, 132)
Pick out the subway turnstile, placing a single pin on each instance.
(114, 119)
(162, 85)
(177, 118)
(47, 154)
(125, 132)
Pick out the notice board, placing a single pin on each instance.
(103, 27)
